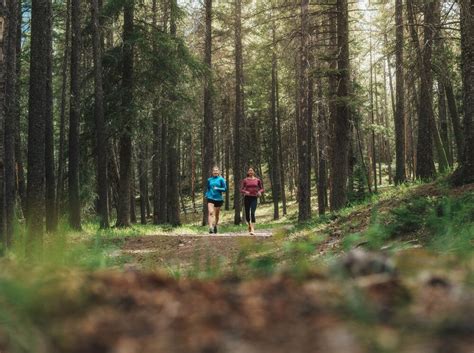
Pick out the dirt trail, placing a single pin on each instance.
(186, 250)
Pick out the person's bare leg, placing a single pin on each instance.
(210, 214)
(217, 211)
(252, 228)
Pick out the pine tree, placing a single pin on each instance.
(127, 117)
(342, 119)
(11, 116)
(208, 123)
(75, 116)
(101, 134)
(37, 123)
(239, 111)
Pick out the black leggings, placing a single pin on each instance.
(250, 203)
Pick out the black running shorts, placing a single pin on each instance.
(215, 202)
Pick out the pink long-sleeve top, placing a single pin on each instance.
(251, 187)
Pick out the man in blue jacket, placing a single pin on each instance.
(216, 185)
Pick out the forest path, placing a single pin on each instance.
(187, 250)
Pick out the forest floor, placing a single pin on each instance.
(392, 274)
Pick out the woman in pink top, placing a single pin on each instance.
(252, 188)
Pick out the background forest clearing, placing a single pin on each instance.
(392, 220)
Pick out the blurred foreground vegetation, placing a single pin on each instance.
(378, 259)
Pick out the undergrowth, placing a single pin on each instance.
(444, 224)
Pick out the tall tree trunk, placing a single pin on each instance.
(465, 174)
(322, 150)
(445, 89)
(411, 109)
(51, 215)
(142, 179)
(133, 187)
(227, 145)
(443, 121)
(147, 182)
(162, 215)
(276, 187)
(372, 119)
(386, 115)
(342, 121)
(208, 123)
(239, 113)
(62, 123)
(127, 116)
(280, 144)
(379, 146)
(156, 166)
(114, 175)
(193, 176)
(399, 117)
(438, 142)
(425, 168)
(100, 126)
(275, 167)
(3, 64)
(173, 155)
(36, 125)
(303, 122)
(21, 182)
(455, 120)
(11, 117)
(156, 161)
(74, 117)
(163, 179)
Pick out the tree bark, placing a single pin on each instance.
(36, 125)
(156, 166)
(275, 167)
(455, 120)
(465, 173)
(342, 121)
(372, 119)
(443, 121)
(280, 145)
(163, 179)
(156, 161)
(21, 183)
(425, 168)
(399, 118)
(3, 64)
(51, 214)
(133, 184)
(142, 179)
(11, 117)
(323, 152)
(173, 155)
(386, 115)
(445, 90)
(208, 123)
(303, 122)
(100, 127)
(238, 121)
(227, 145)
(62, 123)
(125, 143)
(74, 117)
